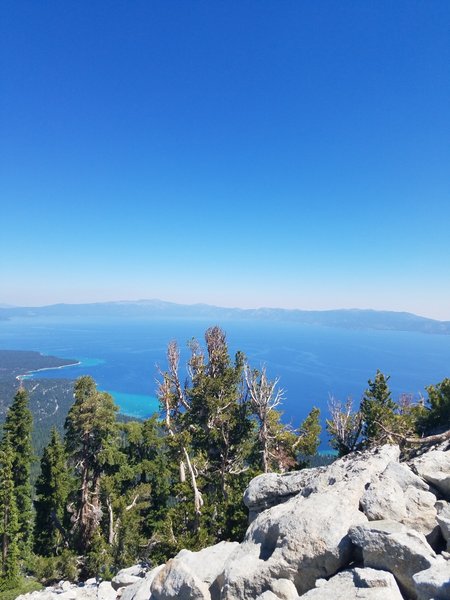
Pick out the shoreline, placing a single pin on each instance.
(24, 375)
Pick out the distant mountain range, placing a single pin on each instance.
(343, 318)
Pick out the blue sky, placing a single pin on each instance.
(242, 153)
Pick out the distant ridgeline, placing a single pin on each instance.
(346, 318)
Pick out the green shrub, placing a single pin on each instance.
(49, 569)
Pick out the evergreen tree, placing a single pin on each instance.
(52, 490)
(18, 426)
(308, 440)
(91, 443)
(438, 415)
(377, 408)
(135, 492)
(210, 438)
(9, 518)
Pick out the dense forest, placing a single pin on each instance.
(112, 493)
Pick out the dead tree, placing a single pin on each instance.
(173, 402)
(344, 426)
(264, 398)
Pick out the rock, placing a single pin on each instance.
(176, 581)
(208, 563)
(72, 594)
(271, 489)
(141, 589)
(399, 495)
(65, 585)
(127, 577)
(284, 589)
(434, 583)
(300, 540)
(357, 584)
(405, 477)
(106, 591)
(443, 519)
(305, 537)
(268, 595)
(393, 547)
(384, 499)
(434, 467)
(42, 595)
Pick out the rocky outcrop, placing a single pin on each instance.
(367, 527)
(391, 546)
(434, 468)
(364, 584)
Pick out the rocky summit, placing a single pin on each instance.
(367, 527)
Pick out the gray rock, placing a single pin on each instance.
(65, 586)
(106, 591)
(176, 581)
(357, 584)
(443, 519)
(196, 569)
(284, 589)
(384, 499)
(128, 576)
(399, 495)
(141, 590)
(305, 537)
(393, 547)
(434, 467)
(300, 540)
(208, 563)
(434, 583)
(271, 489)
(405, 477)
(268, 595)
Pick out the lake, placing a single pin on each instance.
(312, 362)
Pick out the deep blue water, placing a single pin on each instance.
(312, 362)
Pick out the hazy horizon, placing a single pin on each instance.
(288, 155)
(231, 306)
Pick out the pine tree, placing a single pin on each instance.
(210, 435)
(18, 426)
(377, 408)
(438, 415)
(221, 429)
(52, 489)
(9, 518)
(91, 436)
(308, 440)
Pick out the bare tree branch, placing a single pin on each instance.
(431, 439)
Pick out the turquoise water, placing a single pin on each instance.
(135, 405)
(312, 362)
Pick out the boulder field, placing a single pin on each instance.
(367, 527)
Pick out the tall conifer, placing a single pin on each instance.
(52, 489)
(18, 427)
(91, 440)
(9, 518)
(377, 408)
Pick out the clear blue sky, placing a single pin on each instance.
(241, 153)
